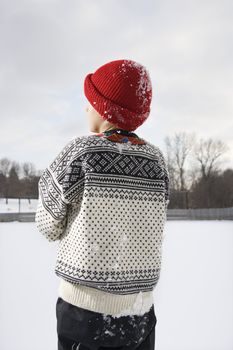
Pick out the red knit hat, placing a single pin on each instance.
(121, 92)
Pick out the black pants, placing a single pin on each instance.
(82, 329)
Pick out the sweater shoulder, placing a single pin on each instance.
(155, 149)
(86, 140)
(89, 143)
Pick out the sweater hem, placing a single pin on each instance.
(104, 302)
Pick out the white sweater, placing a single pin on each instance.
(105, 203)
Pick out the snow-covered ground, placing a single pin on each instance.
(193, 298)
(13, 205)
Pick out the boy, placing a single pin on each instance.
(104, 198)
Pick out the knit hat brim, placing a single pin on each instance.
(115, 114)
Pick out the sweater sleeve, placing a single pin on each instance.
(166, 178)
(51, 213)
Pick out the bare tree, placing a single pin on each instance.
(178, 149)
(28, 169)
(208, 153)
(5, 165)
(13, 180)
(15, 166)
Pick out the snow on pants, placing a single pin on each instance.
(82, 329)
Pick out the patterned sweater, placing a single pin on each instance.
(105, 202)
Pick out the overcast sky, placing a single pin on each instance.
(48, 47)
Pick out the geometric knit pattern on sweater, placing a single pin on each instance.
(106, 204)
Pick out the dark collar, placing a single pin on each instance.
(121, 135)
(119, 131)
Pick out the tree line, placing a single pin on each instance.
(197, 176)
(195, 166)
(18, 180)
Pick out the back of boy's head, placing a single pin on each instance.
(121, 92)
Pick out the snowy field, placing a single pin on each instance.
(193, 298)
(13, 205)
